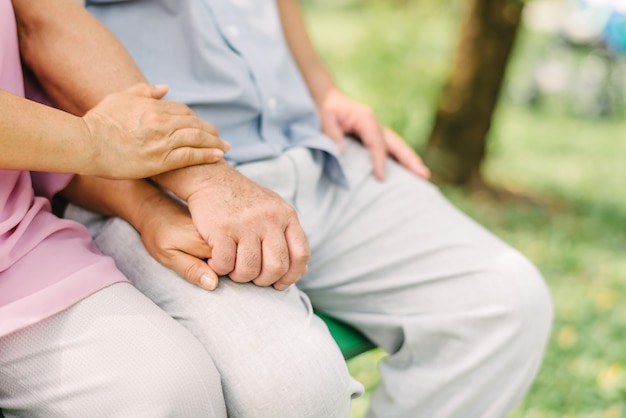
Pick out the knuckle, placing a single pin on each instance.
(269, 213)
(152, 118)
(164, 257)
(191, 273)
(301, 255)
(248, 268)
(300, 250)
(291, 212)
(223, 264)
(252, 265)
(179, 108)
(186, 155)
(277, 270)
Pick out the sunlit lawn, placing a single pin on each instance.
(395, 58)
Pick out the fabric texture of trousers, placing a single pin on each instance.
(463, 316)
(113, 354)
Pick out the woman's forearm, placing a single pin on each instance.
(128, 199)
(79, 61)
(39, 138)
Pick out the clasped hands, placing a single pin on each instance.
(244, 230)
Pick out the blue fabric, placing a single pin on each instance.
(227, 60)
(615, 33)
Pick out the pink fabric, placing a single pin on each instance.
(46, 264)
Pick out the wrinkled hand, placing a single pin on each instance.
(170, 236)
(254, 235)
(132, 134)
(341, 116)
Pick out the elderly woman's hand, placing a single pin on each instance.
(133, 134)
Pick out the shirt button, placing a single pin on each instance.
(271, 103)
(232, 30)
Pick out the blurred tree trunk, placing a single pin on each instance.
(456, 147)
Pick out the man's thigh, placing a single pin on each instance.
(398, 246)
(453, 305)
(262, 340)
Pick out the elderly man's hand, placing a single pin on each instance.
(342, 116)
(254, 235)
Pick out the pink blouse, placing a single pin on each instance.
(46, 264)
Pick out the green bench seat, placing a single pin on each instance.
(350, 341)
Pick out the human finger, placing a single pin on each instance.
(405, 155)
(192, 131)
(188, 156)
(159, 91)
(175, 108)
(194, 270)
(299, 255)
(371, 135)
(331, 127)
(154, 91)
(249, 259)
(275, 255)
(223, 254)
(183, 148)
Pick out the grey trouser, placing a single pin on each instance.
(464, 317)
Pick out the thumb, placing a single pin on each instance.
(195, 271)
(159, 90)
(154, 91)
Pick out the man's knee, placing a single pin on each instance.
(515, 336)
(531, 308)
(307, 377)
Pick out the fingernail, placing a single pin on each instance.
(207, 282)
(280, 286)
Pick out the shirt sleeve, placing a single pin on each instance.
(47, 184)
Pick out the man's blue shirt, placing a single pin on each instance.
(228, 60)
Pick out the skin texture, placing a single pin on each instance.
(341, 115)
(254, 236)
(128, 135)
(68, 79)
(167, 230)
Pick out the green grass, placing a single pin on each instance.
(395, 58)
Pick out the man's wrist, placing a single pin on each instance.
(187, 181)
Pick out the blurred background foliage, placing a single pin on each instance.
(558, 138)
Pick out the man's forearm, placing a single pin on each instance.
(316, 75)
(77, 59)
